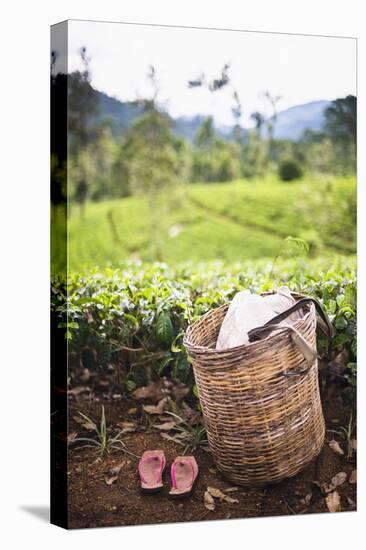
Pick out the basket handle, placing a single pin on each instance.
(323, 321)
(303, 346)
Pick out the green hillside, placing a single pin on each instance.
(230, 221)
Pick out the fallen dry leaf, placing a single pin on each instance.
(327, 487)
(190, 415)
(166, 426)
(176, 439)
(333, 502)
(215, 492)
(335, 446)
(112, 473)
(152, 409)
(231, 490)
(219, 494)
(180, 390)
(156, 409)
(338, 479)
(72, 437)
(353, 477)
(339, 363)
(230, 500)
(154, 391)
(78, 390)
(164, 387)
(132, 411)
(208, 501)
(324, 487)
(85, 376)
(110, 480)
(353, 443)
(89, 426)
(351, 502)
(306, 500)
(127, 427)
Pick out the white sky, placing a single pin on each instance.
(298, 68)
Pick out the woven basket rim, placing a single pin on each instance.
(251, 345)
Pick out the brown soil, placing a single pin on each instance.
(93, 503)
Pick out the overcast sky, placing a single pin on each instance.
(298, 68)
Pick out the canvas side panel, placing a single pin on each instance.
(59, 43)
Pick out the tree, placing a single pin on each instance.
(255, 153)
(222, 80)
(205, 136)
(341, 120)
(82, 108)
(272, 101)
(315, 152)
(204, 141)
(259, 121)
(103, 153)
(341, 127)
(255, 149)
(236, 111)
(149, 162)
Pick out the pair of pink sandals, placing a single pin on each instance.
(183, 473)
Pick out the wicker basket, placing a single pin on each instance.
(260, 402)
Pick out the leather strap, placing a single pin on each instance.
(323, 322)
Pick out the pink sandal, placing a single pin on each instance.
(151, 468)
(184, 472)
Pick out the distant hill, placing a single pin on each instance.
(120, 114)
(290, 124)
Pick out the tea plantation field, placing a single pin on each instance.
(233, 221)
(107, 314)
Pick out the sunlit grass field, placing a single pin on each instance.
(236, 221)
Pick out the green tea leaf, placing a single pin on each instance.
(164, 329)
(130, 385)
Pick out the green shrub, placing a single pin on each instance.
(289, 170)
(130, 321)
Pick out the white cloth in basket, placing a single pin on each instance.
(248, 311)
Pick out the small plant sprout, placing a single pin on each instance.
(290, 246)
(103, 443)
(191, 437)
(346, 433)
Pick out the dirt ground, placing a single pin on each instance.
(95, 503)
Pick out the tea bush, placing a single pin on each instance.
(129, 322)
(289, 170)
